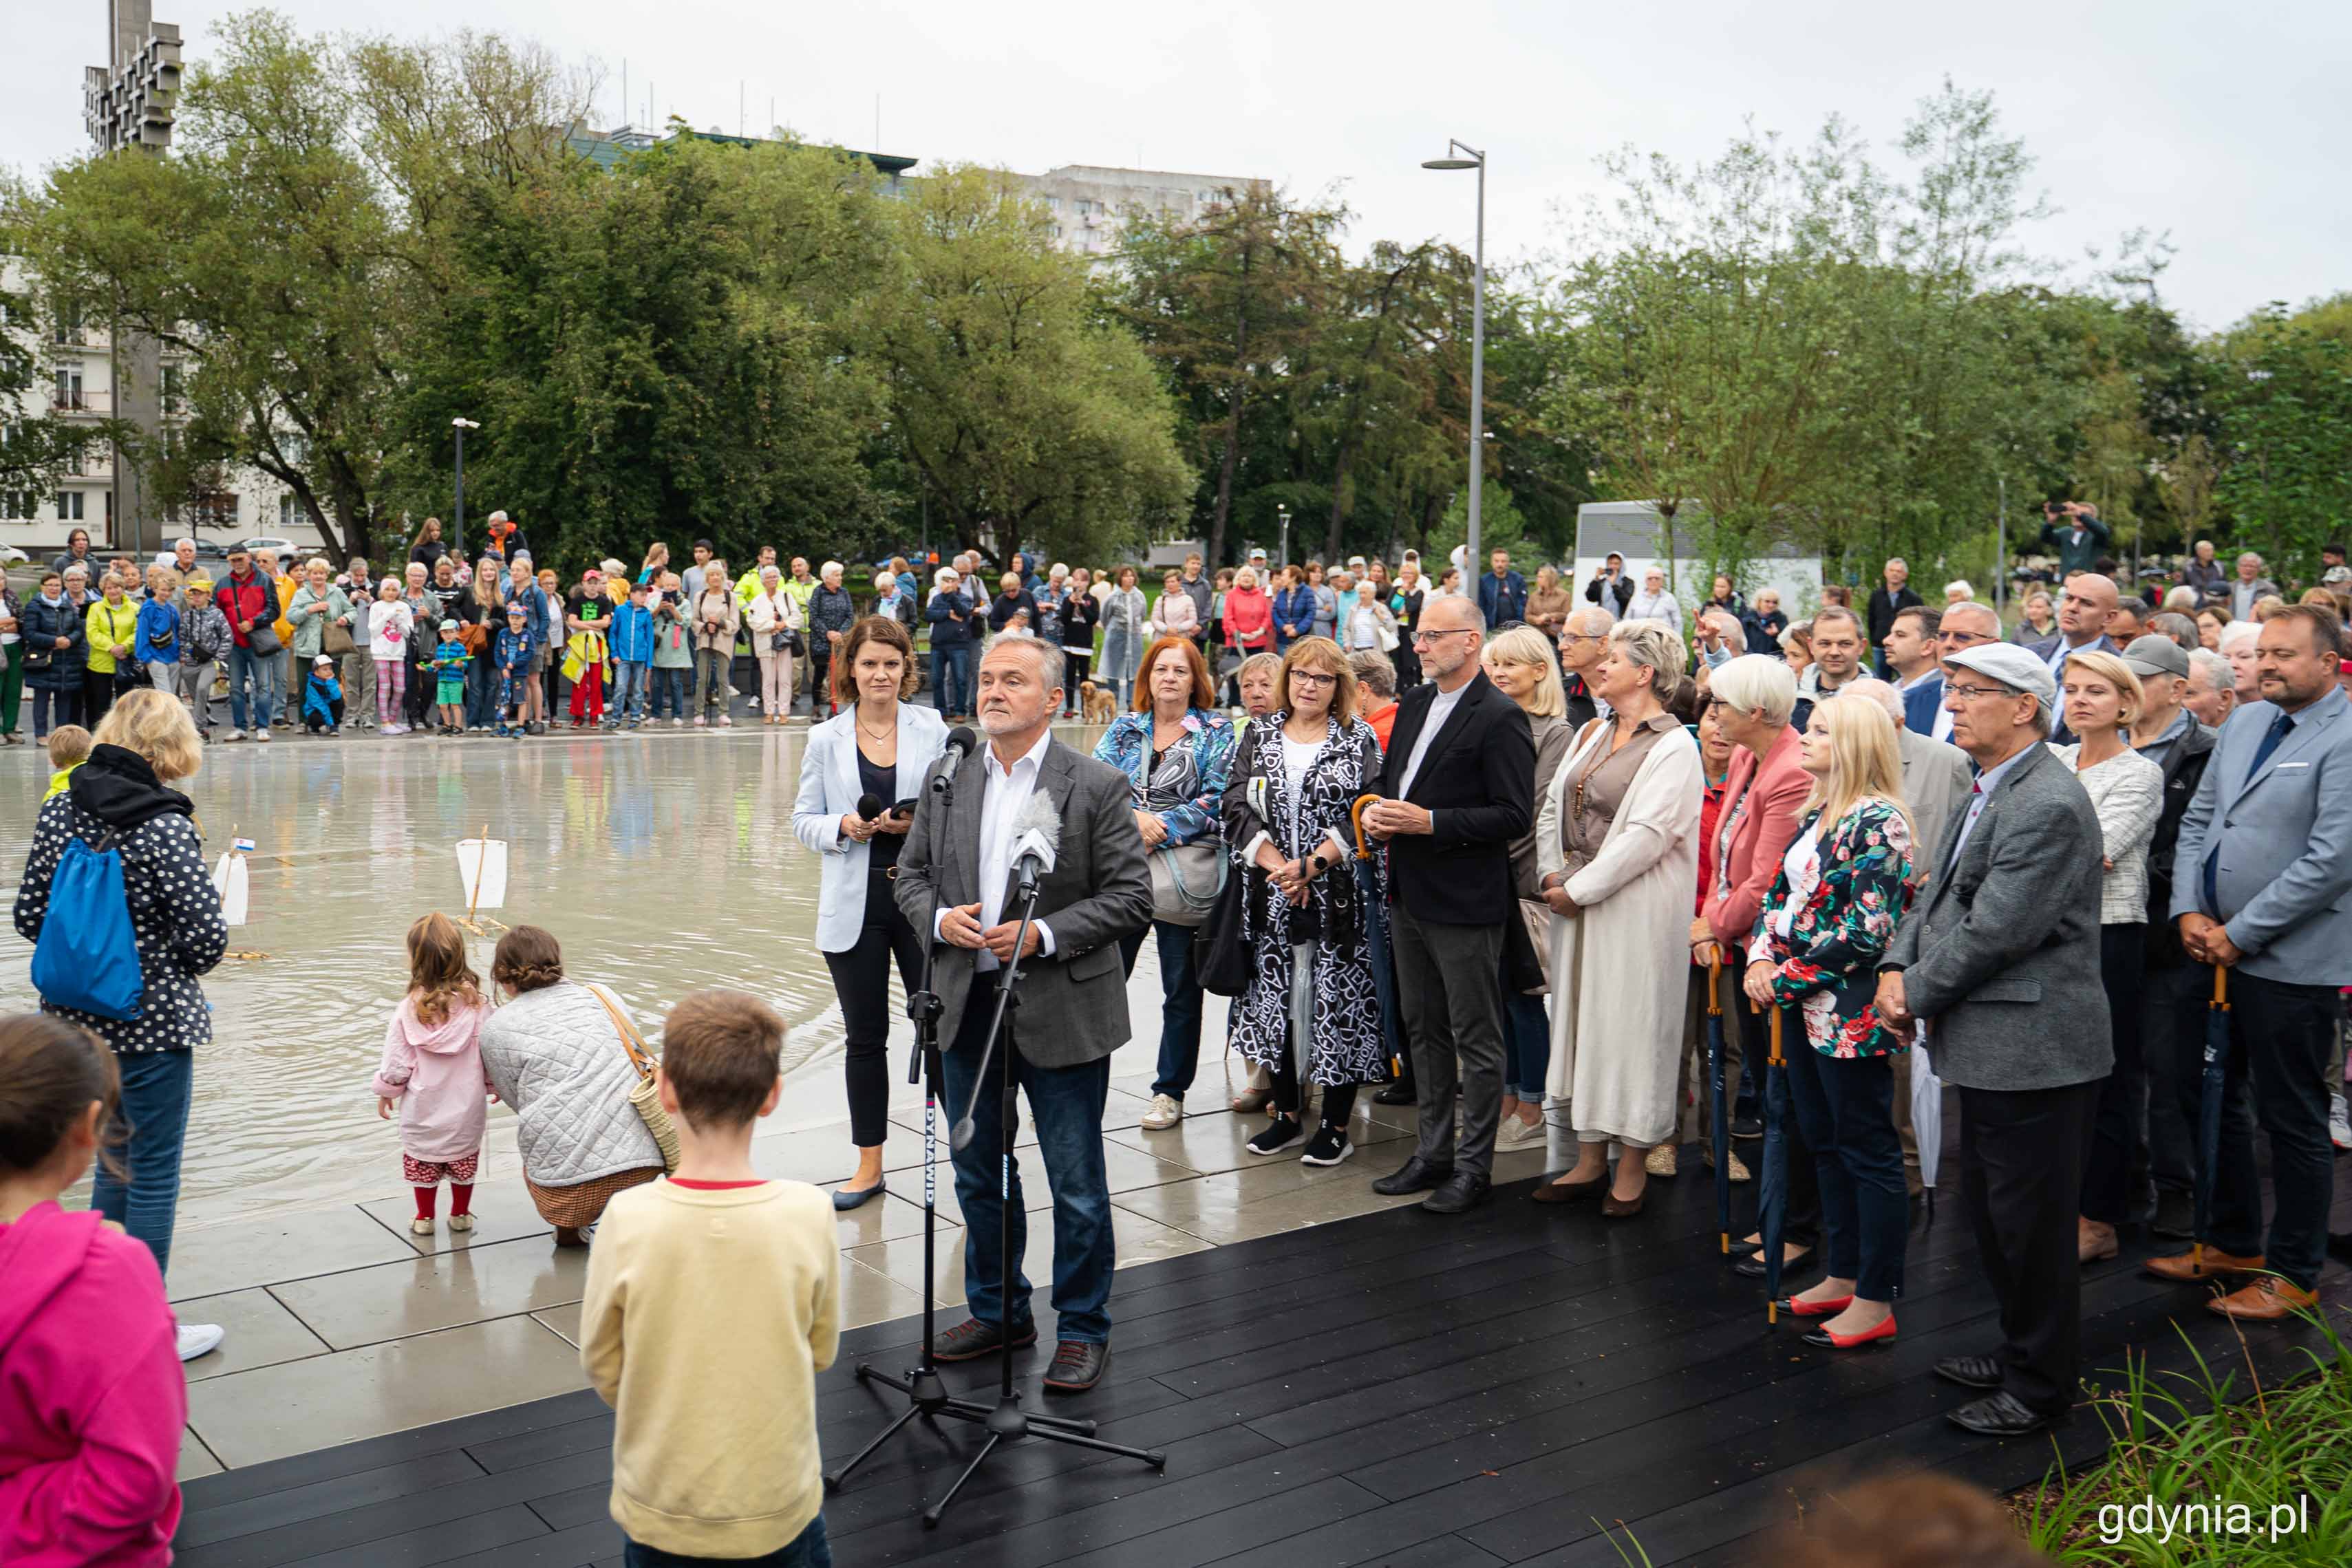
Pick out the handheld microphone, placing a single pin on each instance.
(960, 744)
(1037, 839)
(870, 807)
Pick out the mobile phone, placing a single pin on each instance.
(903, 808)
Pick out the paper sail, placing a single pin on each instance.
(482, 872)
(229, 882)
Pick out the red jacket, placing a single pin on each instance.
(1249, 621)
(1762, 806)
(247, 599)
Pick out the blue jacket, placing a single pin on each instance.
(632, 636)
(318, 697)
(1197, 773)
(515, 648)
(1503, 601)
(1294, 614)
(947, 633)
(158, 642)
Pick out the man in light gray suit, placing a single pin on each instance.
(2262, 885)
(1936, 778)
(2001, 957)
(1072, 994)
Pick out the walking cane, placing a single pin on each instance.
(2208, 1108)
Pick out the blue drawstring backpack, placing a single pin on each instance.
(88, 957)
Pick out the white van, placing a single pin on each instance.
(1635, 530)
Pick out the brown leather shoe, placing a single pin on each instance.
(2094, 1242)
(2188, 1268)
(1614, 1207)
(2268, 1300)
(1572, 1191)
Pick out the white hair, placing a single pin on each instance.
(1048, 658)
(1656, 647)
(1754, 681)
(829, 567)
(1976, 606)
(2218, 675)
(177, 543)
(887, 582)
(1591, 620)
(1962, 587)
(2238, 631)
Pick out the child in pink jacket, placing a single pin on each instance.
(93, 1399)
(432, 1069)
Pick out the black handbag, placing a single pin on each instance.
(1222, 960)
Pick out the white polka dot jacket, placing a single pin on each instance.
(175, 916)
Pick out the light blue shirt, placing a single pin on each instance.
(1987, 782)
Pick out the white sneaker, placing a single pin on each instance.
(235, 734)
(200, 1339)
(262, 735)
(1165, 1112)
(725, 722)
(2339, 1127)
(1518, 1133)
(699, 723)
(461, 1222)
(420, 1226)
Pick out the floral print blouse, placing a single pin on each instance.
(1826, 927)
(1187, 785)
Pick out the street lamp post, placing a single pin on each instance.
(457, 533)
(1283, 553)
(1461, 156)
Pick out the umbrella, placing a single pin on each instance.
(1772, 1189)
(1927, 1116)
(1376, 936)
(1722, 1127)
(2208, 1104)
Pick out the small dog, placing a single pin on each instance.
(1096, 704)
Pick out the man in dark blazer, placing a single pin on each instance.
(1890, 598)
(2001, 957)
(1072, 994)
(2262, 885)
(1457, 786)
(2086, 605)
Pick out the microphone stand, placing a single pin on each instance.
(926, 1392)
(1008, 1421)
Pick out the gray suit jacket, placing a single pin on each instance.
(2286, 840)
(1936, 779)
(2002, 952)
(1073, 1003)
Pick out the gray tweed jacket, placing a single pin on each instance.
(2001, 954)
(1073, 1003)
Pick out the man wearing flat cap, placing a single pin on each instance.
(2001, 961)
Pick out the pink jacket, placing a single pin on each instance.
(93, 1399)
(436, 1074)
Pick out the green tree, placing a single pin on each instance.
(1032, 419)
(2282, 387)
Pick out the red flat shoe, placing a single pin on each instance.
(1827, 1340)
(1829, 1307)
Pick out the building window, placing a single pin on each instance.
(1055, 231)
(173, 387)
(16, 504)
(68, 390)
(284, 514)
(69, 506)
(1053, 203)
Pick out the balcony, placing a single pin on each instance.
(94, 403)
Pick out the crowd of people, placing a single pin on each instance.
(1495, 853)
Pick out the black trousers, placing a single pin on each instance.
(2172, 1039)
(2282, 1040)
(2021, 1175)
(861, 979)
(2107, 1183)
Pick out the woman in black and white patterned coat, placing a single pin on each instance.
(145, 743)
(1306, 1013)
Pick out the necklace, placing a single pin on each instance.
(889, 733)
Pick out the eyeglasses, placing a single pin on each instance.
(1314, 678)
(1970, 693)
(1420, 637)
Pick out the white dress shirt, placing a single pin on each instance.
(1440, 711)
(1004, 792)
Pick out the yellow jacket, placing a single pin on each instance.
(107, 624)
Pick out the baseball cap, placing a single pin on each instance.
(518, 610)
(2334, 575)
(322, 659)
(200, 583)
(2011, 665)
(2156, 655)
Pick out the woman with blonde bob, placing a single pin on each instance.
(145, 743)
(1841, 889)
(1525, 667)
(1617, 854)
(2103, 698)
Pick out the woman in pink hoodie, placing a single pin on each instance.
(93, 1399)
(432, 1069)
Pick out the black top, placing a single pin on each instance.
(882, 783)
(1478, 778)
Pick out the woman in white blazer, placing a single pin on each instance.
(879, 745)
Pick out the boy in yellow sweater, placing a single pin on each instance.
(713, 1302)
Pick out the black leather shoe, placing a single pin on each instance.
(1969, 1371)
(1999, 1415)
(1079, 1366)
(1752, 1266)
(1462, 1192)
(1416, 1174)
(1396, 1093)
(972, 1338)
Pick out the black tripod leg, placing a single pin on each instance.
(833, 1481)
(1156, 1459)
(931, 1515)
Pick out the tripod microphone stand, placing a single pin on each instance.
(926, 1392)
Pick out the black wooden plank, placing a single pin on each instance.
(551, 1442)
(1301, 1515)
(223, 1522)
(595, 1542)
(496, 1530)
(563, 1510)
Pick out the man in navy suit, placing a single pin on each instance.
(1907, 652)
(2086, 605)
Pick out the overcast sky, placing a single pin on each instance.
(2224, 126)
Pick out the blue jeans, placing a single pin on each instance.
(951, 678)
(809, 1549)
(1845, 1106)
(629, 688)
(244, 667)
(1068, 1106)
(481, 691)
(669, 690)
(1180, 1013)
(153, 1122)
(1526, 1047)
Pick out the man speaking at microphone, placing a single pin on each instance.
(1072, 1014)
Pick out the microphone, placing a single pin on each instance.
(960, 744)
(870, 807)
(1036, 839)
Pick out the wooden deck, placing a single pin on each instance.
(1516, 1385)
